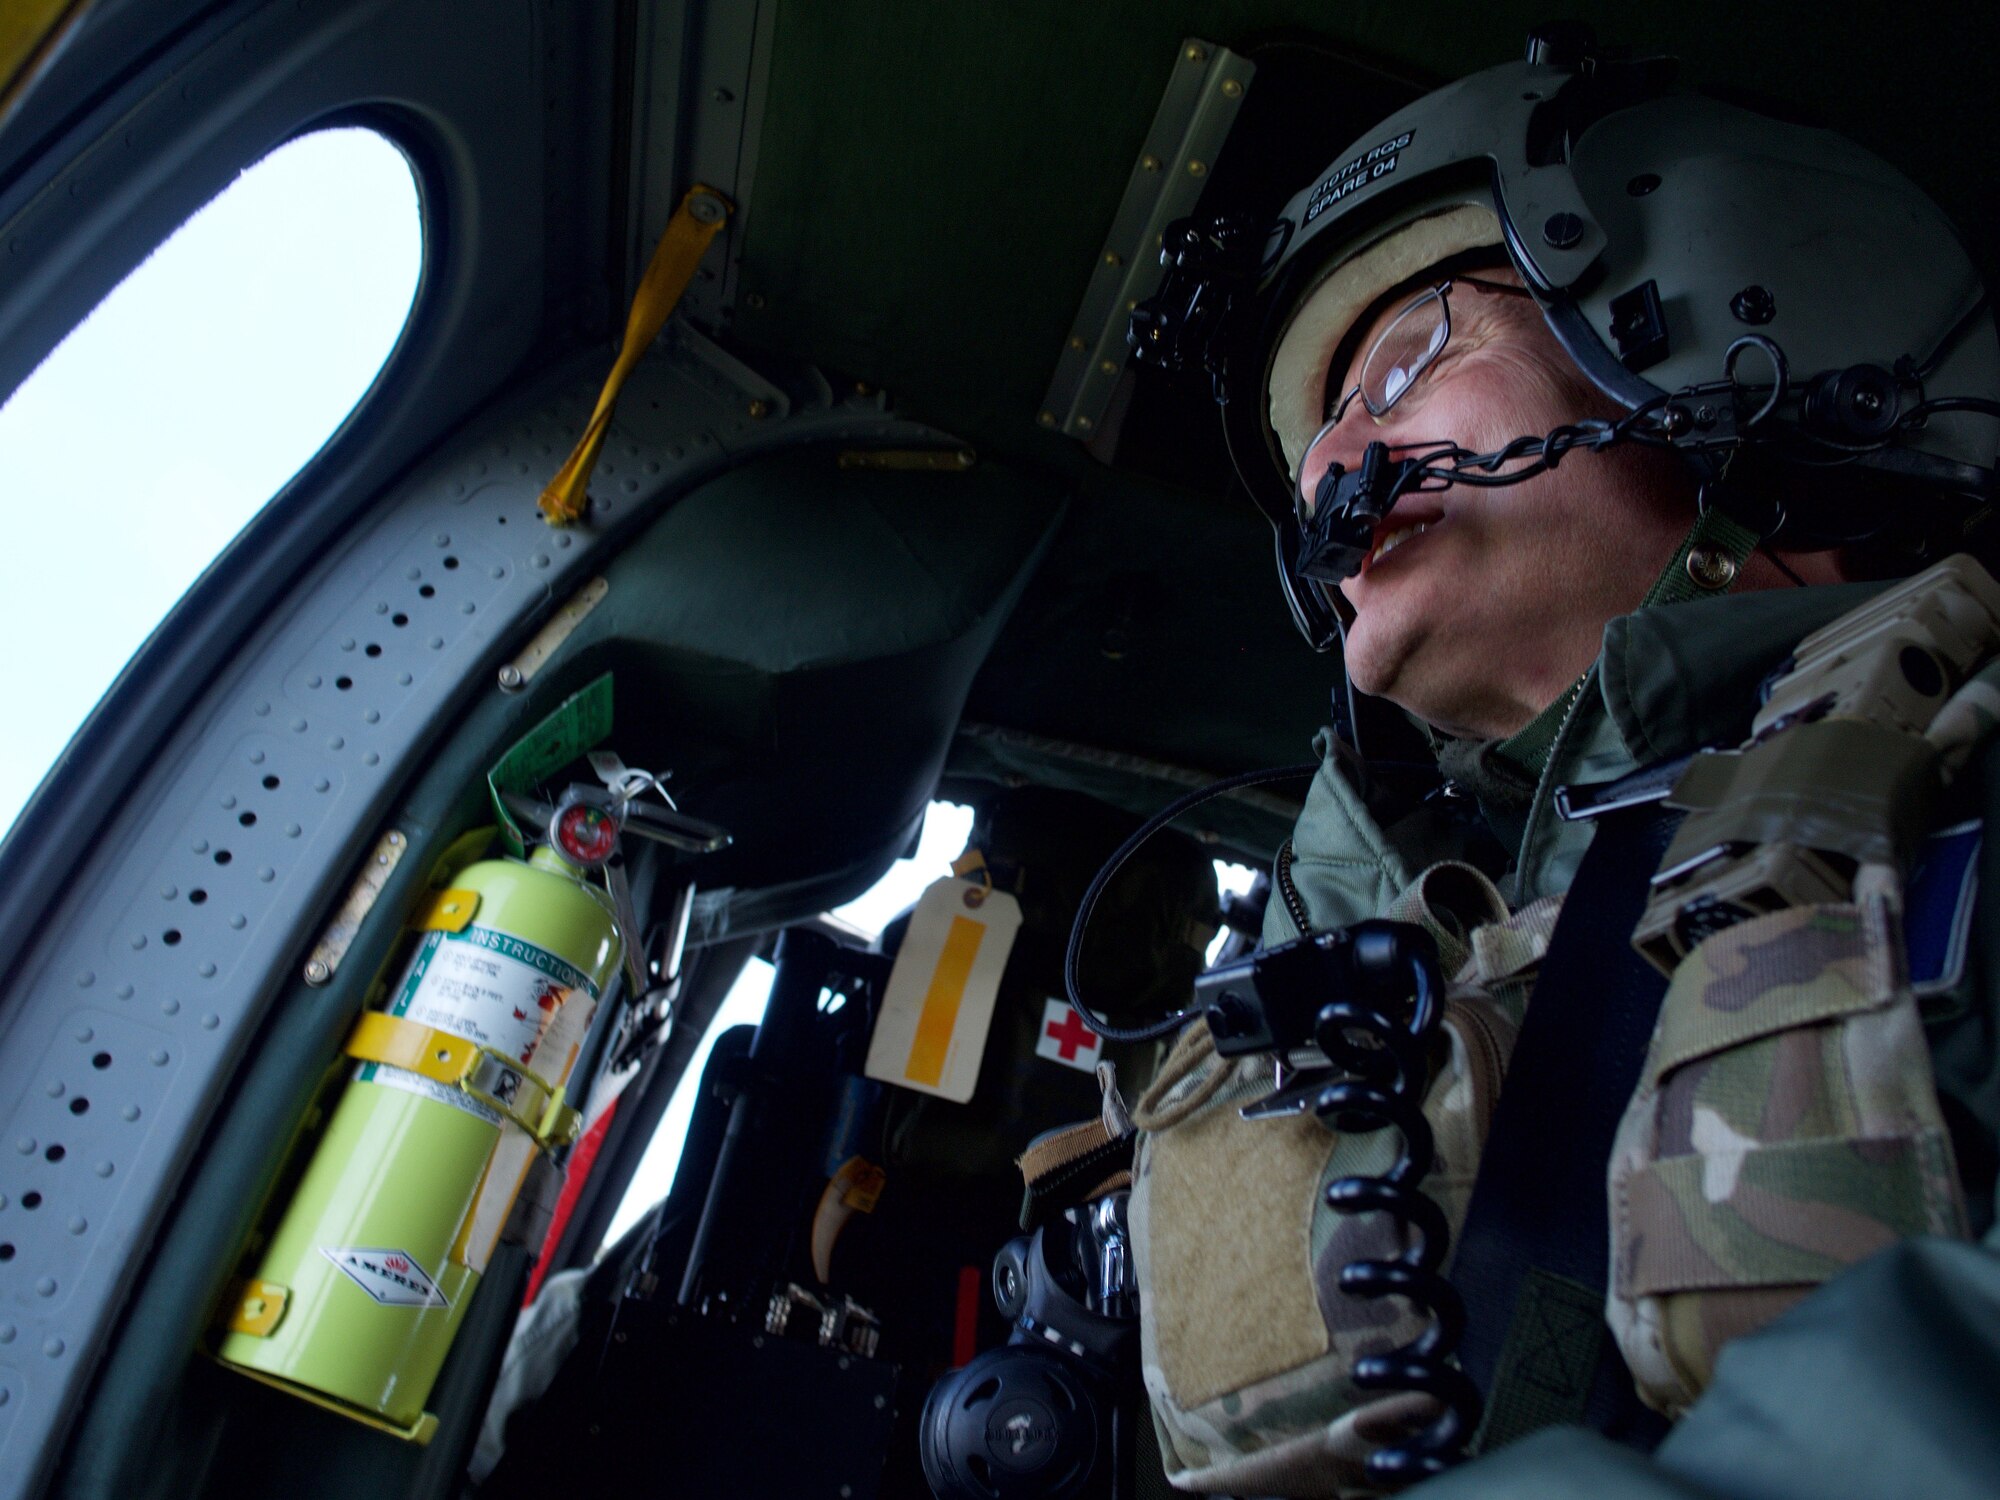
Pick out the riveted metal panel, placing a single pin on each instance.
(129, 1013)
(699, 118)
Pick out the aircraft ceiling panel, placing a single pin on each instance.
(935, 182)
(697, 117)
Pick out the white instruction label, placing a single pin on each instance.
(488, 987)
(938, 1005)
(391, 1277)
(1066, 1039)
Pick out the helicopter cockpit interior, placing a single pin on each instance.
(883, 516)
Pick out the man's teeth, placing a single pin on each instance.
(1393, 539)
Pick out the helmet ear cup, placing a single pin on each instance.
(1859, 404)
(1017, 1422)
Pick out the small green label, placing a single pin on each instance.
(580, 722)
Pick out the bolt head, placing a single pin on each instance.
(1197, 169)
(511, 678)
(1231, 89)
(318, 972)
(1562, 230)
(760, 409)
(1149, 163)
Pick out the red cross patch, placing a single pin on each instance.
(1065, 1039)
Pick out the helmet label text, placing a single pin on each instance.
(1376, 162)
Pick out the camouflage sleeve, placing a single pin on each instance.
(1880, 1383)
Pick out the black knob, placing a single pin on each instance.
(1754, 304)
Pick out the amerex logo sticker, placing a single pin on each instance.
(391, 1277)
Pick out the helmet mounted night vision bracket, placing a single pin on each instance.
(1546, 145)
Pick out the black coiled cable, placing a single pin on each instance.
(1389, 1057)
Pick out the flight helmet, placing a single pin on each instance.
(1774, 303)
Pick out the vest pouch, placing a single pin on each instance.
(1786, 1126)
(1246, 1338)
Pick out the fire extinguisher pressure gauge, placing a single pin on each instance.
(584, 834)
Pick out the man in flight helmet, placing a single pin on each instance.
(1630, 442)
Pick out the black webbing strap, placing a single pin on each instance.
(1533, 1257)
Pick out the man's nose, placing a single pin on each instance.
(1344, 446)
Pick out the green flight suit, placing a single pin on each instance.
(1884, 1381)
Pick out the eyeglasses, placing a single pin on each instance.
(1398, 358)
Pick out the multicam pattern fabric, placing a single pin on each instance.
(1786, 1127)
(1241, 1407)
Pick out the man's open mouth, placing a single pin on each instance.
(1392, 537)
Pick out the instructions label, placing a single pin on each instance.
(391, 1277)
(489, 987)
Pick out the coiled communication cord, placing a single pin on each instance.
(1387, 1057)
(1385, 1060)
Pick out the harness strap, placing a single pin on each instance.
(1531, 1259)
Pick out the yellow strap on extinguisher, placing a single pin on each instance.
(442, 1057)
(672, 267)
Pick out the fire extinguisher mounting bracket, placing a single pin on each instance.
(447, 911)
(478, 1071)
(255, 1307)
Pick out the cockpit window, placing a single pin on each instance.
(183, 404)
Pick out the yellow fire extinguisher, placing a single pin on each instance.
(458, 1083)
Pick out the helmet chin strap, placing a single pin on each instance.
(1708, 561)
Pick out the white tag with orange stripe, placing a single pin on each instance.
(938, 1005)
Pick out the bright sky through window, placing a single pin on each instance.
(181, 405)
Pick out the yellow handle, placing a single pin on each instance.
(672, 267)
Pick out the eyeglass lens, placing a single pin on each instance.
(1397, 358)
(1404, 351)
